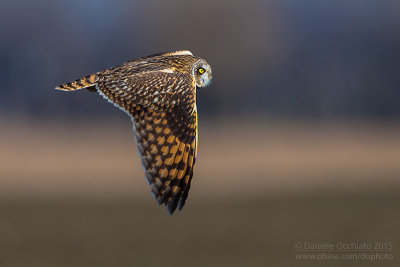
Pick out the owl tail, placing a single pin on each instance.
(87, 82)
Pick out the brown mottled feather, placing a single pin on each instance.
(85, 82)
(162, 107)
(159, 93)
(166, 162)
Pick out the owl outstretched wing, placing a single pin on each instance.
(162, 105)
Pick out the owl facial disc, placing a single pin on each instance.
(202, 73)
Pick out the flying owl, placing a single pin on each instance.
(158, 92)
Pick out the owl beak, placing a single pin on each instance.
(205, 79)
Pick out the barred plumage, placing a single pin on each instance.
(84, 82)
(159, 93)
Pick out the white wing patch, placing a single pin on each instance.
(167, 70)
(180, 53)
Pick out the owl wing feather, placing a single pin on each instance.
(162, 106)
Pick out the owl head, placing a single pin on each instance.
(202, 73)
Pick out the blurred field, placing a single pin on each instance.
(324, 166)
(258, 232)
(98, 160)
(75, 195)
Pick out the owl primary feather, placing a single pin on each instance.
(159, 93)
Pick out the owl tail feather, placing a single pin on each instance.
(87, 82)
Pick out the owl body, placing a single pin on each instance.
(159, 93)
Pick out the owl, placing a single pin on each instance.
(158, 92)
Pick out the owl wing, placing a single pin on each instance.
(163, 110)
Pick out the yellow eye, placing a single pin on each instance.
(201, 70)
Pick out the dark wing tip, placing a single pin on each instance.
(182, 201)
(173, 203)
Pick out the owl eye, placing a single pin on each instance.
(201, 70)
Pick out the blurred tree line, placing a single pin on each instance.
(312, 59)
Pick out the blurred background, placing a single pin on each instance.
(299, 137)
